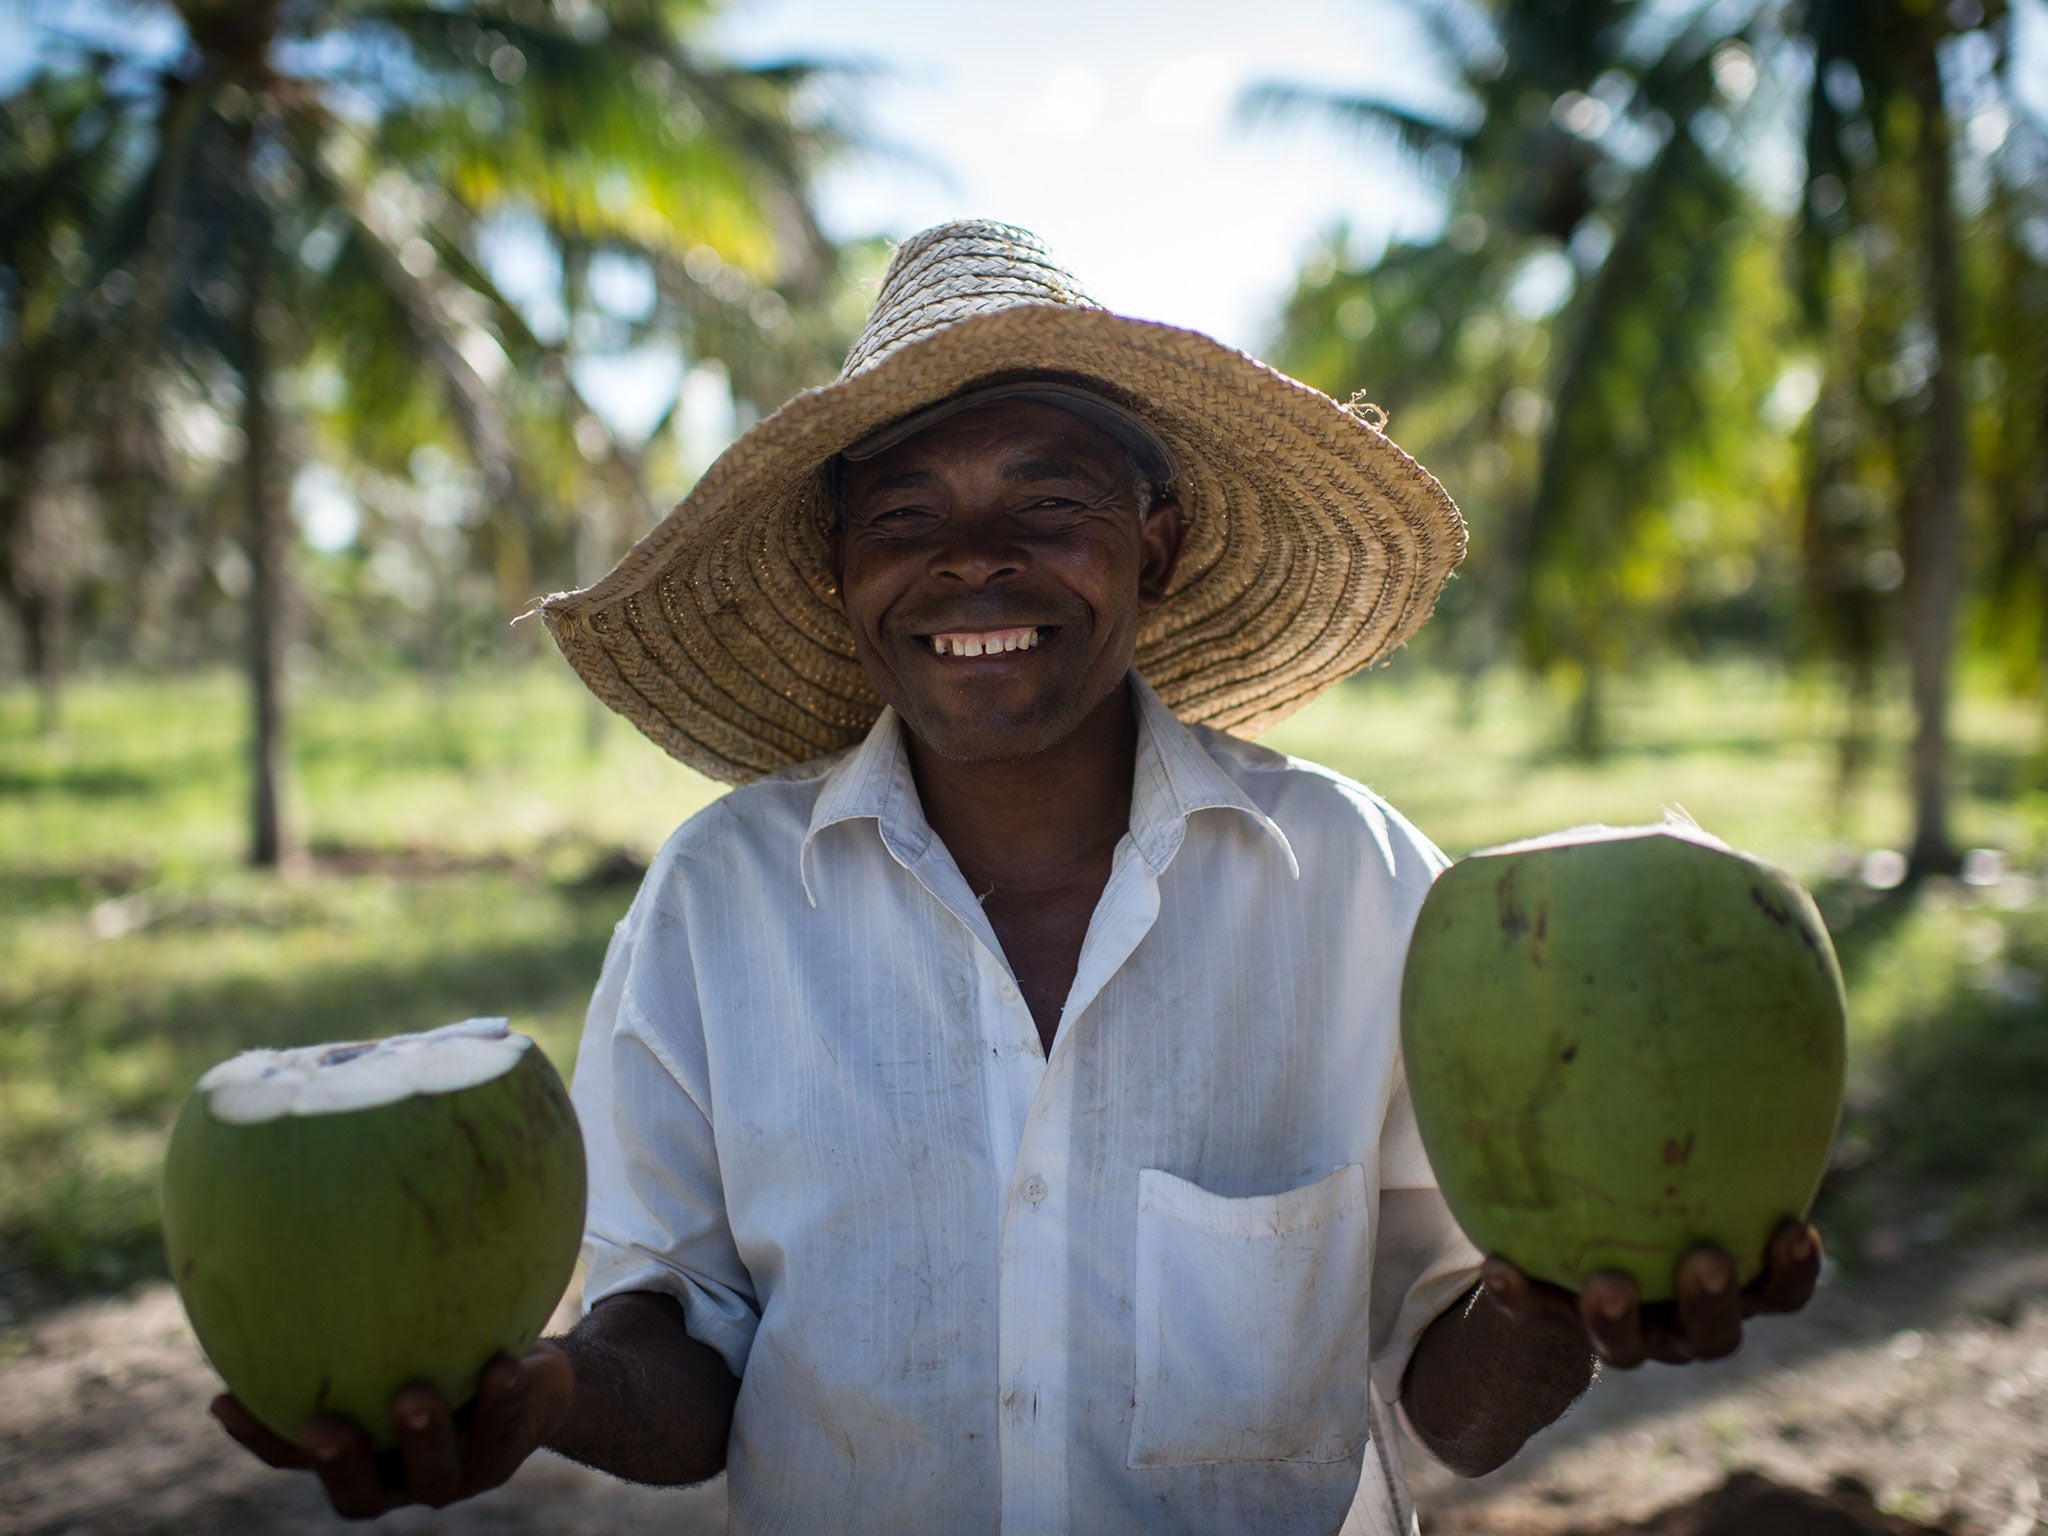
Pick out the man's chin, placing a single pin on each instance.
(985, 741)
(991, 734)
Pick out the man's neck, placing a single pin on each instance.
(1034, 825)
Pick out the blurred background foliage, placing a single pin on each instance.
(1731, 341)
(253, 265)
(1703, 268)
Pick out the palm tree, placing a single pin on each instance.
(1880, 157)
(1567, 151)
(310, 183)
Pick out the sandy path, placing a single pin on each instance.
(1928, 1382)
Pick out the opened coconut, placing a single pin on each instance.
(1623, 1042)
(343, 1221)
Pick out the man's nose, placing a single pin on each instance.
(976, 555)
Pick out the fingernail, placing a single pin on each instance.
(1614, 1306)
(325, 1450)
(1715, 1282)
(1801, 1248)
(417, 1418)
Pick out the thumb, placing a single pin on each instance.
(519, 1404)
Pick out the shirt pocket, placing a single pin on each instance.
(1254, 1328)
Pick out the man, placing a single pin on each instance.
(995, 1115)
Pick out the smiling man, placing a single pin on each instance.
(995, 1106)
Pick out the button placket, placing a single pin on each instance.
(1035, 1279)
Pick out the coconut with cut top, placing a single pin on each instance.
(346, 1220)
(1623, 1042)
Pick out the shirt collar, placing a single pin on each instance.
(873, 780)
(1174, 777)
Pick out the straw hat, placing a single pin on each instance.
(1314, 545)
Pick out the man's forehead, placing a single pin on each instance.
(1067, 403)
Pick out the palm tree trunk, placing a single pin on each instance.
(39, 589)
(266, 542)
(1933, 516)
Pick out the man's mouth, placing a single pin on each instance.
(985, 642)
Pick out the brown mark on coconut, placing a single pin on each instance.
(1514, 922)
(1769, 908)
(490, 1167)
(1785, 919)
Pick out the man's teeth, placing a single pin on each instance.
(987, 643)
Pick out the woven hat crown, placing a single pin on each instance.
(944, 275)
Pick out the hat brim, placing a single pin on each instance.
(1314, 546)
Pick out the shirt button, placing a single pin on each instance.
(1009, 989)
(1034, 1189)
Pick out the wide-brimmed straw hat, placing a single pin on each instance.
(1314, 545)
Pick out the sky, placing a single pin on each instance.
(1108, 127)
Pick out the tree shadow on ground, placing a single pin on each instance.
(1752, 744)
(101, 782)
(1784, 1367)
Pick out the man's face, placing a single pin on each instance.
(1010, 530)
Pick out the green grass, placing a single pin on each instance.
(1747, 752)
(457, 835)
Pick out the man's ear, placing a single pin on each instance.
(1160, 534)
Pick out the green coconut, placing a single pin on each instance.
(1623, 1042)
(346, 1220)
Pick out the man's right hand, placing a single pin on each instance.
(519, 1404)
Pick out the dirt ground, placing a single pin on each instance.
(1924, 1384)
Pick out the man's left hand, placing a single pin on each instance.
(1702, 1322)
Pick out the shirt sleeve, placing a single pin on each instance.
(1422, 1261)
(656, 1218)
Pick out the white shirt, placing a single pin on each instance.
(1162, 1281)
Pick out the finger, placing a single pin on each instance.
(1664, 1338)
(518, 1403)
(1526, 1300)
(1791, 1270)
(341, 1454)
(1611, 1312)
(426, 1441)
(256, 1437)
(496, 1415)
(1709, 1303)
